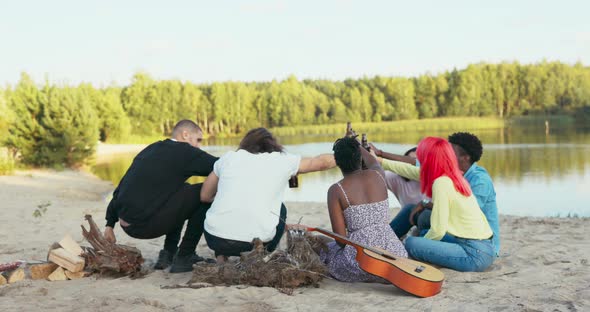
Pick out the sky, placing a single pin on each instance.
(105, 42)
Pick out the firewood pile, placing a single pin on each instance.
(108, 258)
(285, 270)
(66, 260)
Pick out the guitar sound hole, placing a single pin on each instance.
(420, 269)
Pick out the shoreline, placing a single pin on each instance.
(544, 263)
(107, 149)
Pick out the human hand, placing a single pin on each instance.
(372, 152)
(109, 234)
(377, 151)
(415, 211)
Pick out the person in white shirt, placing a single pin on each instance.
(405, 190)
(247, 188)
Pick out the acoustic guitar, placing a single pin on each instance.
(412, 276)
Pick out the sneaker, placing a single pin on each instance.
(164, 260)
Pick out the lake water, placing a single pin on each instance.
(534, 173)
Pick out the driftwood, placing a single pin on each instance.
(284, 270)
(106, 257)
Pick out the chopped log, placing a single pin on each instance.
(66, 260)
(3, 280)
(42, 271)
(69, 244)
(107, 257)
(76, 275)
(53, 246)
(15, 276)
(58, 275)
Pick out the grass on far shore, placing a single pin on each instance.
(423, 125)
(435, 124)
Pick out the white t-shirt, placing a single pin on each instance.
(249, 194)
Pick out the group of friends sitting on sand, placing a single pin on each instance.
(441, 189)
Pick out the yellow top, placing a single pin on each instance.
(453, 212)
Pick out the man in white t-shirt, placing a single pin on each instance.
(247, 189)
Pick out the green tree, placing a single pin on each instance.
(53, 126)
(426, 93)
(140, 102)
(7, 116)
(113, 123)
(26, 131)
(71, 128)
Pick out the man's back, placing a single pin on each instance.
(156, 173)
(483, 189)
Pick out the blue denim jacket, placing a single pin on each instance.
(483, 189)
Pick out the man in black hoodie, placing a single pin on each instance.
(153, 198)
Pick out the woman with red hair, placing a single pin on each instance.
(460, 236)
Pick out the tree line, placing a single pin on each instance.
(49, 123)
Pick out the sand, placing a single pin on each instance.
(545, 263)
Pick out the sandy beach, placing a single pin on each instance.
(545, 263)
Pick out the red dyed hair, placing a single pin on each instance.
(437, 158)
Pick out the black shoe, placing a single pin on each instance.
(196, 258)
(164, 260)
(184, 263)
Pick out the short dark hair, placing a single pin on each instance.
(347, 154)
(469, 143)
(260, 140)
(411, 150)
(187, 125)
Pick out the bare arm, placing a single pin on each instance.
(109, 234)
(317, 163)
(390, 156)
(336, 215)
(209, 189)
(371, 161)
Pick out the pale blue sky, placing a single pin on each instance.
(202, 41)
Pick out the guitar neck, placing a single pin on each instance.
(346, 240)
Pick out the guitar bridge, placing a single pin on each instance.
(420, 269)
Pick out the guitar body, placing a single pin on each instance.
(426, 283)
(412, 276)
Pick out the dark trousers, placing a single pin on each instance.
(401, 223)
(169, 220)
(229, 247)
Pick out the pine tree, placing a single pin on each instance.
(7, 116)
(26, 132)
(71, 128)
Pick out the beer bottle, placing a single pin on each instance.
(294, 182)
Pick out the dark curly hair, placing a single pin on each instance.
(347, 154)
(411, 150)
(260, 140)
(469, 143)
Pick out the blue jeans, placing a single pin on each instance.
(401, 222)
(460, 254)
